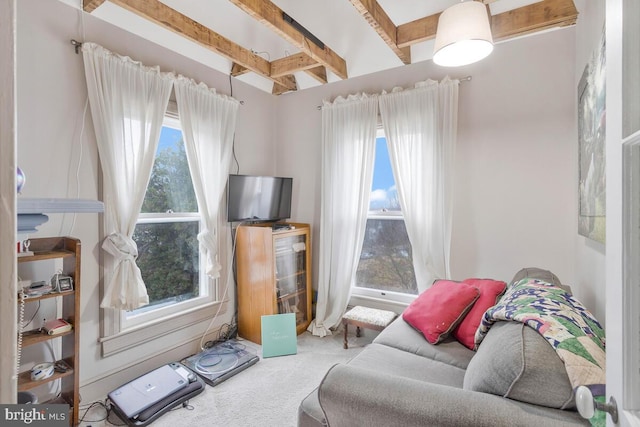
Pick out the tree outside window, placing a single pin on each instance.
(168, 226)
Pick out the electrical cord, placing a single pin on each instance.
(226, 332)
(57, 393)
(110, 416)
(268, 58)
(110, 419)
(233, 153)
(92, 405)
(185, 405)
(80, 149)
(235, 280)
(32, 317)
(233, 142)
(80, 154)
(224, 295)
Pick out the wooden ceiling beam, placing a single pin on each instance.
(91, 5)
(517, 22)
(238, 70)
(417, 31)
(271, 15)
(318, 73)
(386, 29)
(292, 63)
(161, 14)
(279, 89)
(532, 18)
(299, 62)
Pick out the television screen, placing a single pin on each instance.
(258, 198)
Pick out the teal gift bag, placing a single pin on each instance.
(279, 335)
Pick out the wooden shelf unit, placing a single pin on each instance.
(274, 276)
(69, 250)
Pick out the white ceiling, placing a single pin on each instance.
(337, 23)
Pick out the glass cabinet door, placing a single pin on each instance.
(291, 276)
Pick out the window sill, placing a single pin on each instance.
(383, 295)
(381, 300)
(141, 334)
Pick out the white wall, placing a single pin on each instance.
(515, 183)
(515, 203)
(51, 99)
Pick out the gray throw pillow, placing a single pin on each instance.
(540, 274)
(516, 362)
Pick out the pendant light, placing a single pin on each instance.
(463, 36)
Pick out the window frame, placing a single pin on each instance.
(378, 295)
(129, 320)
(119, 333)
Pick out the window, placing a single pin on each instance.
(386, 264)
(166, 235)
(173, 269)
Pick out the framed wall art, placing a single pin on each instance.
(591, 142)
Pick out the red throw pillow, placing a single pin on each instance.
(436, 311)
(490, 291)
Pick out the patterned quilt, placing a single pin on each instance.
(574, 333)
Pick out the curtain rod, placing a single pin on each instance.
(461, 79)
(77, 45)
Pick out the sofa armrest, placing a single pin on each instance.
(352, 396)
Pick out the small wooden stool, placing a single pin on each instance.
(364, 317)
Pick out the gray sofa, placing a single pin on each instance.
(515, 378)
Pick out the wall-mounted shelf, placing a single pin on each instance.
(32, 211)
(39, 205)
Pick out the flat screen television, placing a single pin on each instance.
(258, 198)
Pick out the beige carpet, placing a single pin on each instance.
(266, 394)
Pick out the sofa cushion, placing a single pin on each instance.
(515, 361)
(439, 309)
(388, 360)
(490, 291)
(352, 396)
(310, 413)
(402, 336)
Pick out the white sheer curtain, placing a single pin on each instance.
(208, 123)
(348, 150)
(128, 102)
(421, 129)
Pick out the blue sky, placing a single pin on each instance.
(383, 188)
(168, 137)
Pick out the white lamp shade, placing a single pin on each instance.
(463, 36)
